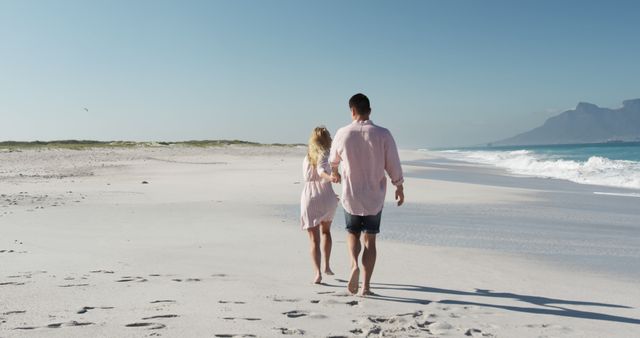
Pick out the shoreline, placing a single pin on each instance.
(555, 220)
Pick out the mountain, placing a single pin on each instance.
(587, 123)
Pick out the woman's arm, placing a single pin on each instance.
(325, 176)
(323, 169)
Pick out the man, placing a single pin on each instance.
(366, 151)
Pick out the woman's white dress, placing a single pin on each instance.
(318, 201)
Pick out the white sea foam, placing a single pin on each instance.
(631, 194)
(596, 170)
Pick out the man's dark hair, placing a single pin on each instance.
(361, 103)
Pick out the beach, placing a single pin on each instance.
(180, 241)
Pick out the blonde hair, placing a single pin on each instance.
(319, 144)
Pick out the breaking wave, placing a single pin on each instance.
(596, 170)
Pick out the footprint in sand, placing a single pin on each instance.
(85, 309)
(476, 333)
(25, 328)
(11, 283)
(160, 316)
(242, 318)
(187, 280)
(401, 317)
(295, 314)
(412, 324)
(378, 319)
(101, 271)
(13, 312)
(352, 303)
(163, 301)
(375, 331)
(75, 323)
(233, 335)
(150, 326)
(551, 327)
(285, 300)
(72, 285)
(412, 314)
(287, 331)
(55, 325)
(230, 302)
(537, 325)
(132, 279)
(423, 323)
(356, 331)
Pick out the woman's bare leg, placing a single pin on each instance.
(326, 246)
(314, 237)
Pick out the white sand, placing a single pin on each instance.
(211, 247)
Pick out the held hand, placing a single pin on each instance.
(335, 175)
(335, 178)
(400, 195)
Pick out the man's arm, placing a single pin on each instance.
(393, 168)
(334, 159)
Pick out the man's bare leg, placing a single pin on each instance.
(326, 246)
(353, 243)
(368, 261)
(314, 237)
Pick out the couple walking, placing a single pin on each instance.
(364, 152)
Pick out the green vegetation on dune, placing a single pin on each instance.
(85, 144)
(66, 144)
(213, 143)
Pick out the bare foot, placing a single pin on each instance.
(366, 292)
(318, 279)
(354, 280)
(328, 272)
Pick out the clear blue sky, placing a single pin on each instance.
(438, 73)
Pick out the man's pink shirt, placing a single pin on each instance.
(366, 151)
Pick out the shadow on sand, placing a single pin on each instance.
(547, 306)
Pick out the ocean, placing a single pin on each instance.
(573, 226)
(605, 164)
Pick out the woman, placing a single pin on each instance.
(318, 201)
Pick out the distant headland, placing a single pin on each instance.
(587, 123)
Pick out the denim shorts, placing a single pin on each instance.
(370, 224)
